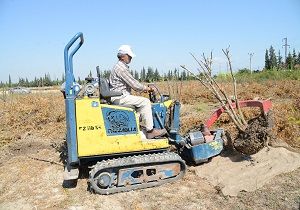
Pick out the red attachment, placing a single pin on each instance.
(264, 106)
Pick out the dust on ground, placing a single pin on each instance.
(32, 176)
(250, 172)
(31, 170)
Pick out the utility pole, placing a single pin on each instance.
(285, 46)
(251, 55)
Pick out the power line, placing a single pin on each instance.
(285, 46)
(251, 55)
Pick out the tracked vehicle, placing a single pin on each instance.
(110, 141)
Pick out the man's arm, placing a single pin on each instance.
(131, 81)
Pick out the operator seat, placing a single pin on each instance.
(105, 92)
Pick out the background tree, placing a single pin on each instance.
(272, 57)
(170, 75)
(150, 74)
(47, 80)
(27, 84)
(35, 82)
(294, 59)
(62, 77)
(289, 61)
(136, 75)
(267, 60)
(9, 81)
(183, 75)
(279, 61)
(176, 73)
(165, 77)
(156, 76)
(298, 59)
(143, 74)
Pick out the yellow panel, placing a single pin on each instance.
(168, 103)
(91, 134)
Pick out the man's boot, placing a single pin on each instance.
(156, 133)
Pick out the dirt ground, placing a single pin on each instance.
(31, 172)
(31, 177)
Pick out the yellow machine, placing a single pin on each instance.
(120, 136)
(109, 139)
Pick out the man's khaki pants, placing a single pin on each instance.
(141, 104)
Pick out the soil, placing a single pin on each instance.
(250, 172)
(32, 149)
(31, 177)
(255, 137)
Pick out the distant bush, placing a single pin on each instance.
(244, 71)
(245, 75)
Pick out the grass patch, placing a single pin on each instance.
(202, 107)
(261, 76)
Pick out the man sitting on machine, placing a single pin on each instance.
(122, 81)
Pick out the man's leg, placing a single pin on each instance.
(143, 107)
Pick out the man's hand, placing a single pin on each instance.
(149, 90)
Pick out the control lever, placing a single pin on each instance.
(99, 83)
(152, 94)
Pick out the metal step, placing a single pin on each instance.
(71, 173)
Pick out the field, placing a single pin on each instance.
(32, 136)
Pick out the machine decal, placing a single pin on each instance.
(119, 122)
(89, 127)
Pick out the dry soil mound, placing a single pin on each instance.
(232, 174)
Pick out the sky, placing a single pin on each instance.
(161, 33)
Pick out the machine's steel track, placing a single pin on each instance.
(111, 171)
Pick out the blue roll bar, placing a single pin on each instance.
(70, 94)
(68, 58)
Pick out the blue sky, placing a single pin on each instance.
(162, 33)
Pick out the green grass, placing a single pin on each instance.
(201, 107)
(262, 76)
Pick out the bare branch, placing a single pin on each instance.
(198, 78)
(205, 65)
(219, 93)
(226, 52)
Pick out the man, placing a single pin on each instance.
(121, 80)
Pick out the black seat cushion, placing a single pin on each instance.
(104, 90)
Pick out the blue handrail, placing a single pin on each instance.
(70, 94)
(68, 58)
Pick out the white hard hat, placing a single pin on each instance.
(126, 49)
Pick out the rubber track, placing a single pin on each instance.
(135, 161)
